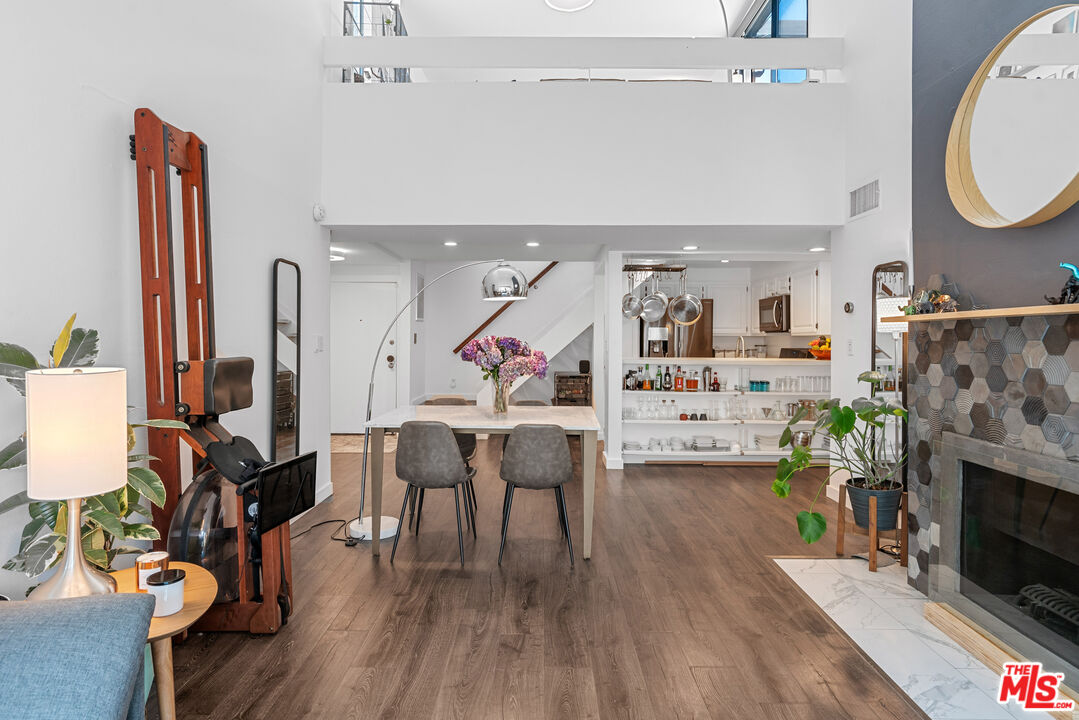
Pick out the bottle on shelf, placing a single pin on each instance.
(679, 379)
(646, 378)
(693, 383)
(668, 383)
(715, 383)
(631, 380)
(658, 383)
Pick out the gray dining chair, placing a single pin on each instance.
(428, 459)
(523, 403)
(466, 442)
(536, 458)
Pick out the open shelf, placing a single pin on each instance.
(681, 454)
(751, 393)
(694, 361)
(682, 422)
(680, 393)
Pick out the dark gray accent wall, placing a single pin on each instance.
(1003, 268)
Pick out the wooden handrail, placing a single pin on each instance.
(502, 308)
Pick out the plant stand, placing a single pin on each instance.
(871, 531)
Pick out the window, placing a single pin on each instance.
(780, 19)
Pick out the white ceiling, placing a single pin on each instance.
(371, 244)
(604, 18)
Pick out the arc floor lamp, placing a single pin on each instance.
(502, 283)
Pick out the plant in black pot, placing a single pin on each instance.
(858, 445)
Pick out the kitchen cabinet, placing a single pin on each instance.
(730, 308)
(811, 299)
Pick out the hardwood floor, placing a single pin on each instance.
(679, 614)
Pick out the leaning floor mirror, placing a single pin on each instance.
(285, 421)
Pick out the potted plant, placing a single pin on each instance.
(110, 520)
(857, 444)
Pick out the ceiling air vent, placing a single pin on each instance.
(865, 198)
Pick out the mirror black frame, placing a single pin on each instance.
(273, 357)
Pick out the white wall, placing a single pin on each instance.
(584, 154)
(877, 131)
(246, 77)
(454, 309)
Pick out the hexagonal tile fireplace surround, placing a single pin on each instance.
(1010, 380)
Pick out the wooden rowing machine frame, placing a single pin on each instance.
(174, 386)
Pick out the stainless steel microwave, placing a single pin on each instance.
(775, 313)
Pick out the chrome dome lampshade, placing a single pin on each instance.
(504, 282)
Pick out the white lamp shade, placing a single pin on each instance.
(889, 307)
(76, 432)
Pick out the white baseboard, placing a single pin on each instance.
(612, 463)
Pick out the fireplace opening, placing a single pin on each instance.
(1019, 554)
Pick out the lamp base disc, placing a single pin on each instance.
(361, 529)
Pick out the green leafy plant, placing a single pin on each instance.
(857, 445)
(110, 520)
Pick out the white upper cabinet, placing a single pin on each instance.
(730, 308)
(811, 296)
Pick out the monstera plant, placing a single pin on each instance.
(857, 446)
(111, 520)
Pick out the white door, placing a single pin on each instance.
(804, 302)
(729, 308)
(359, 314)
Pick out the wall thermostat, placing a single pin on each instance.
(848, 307)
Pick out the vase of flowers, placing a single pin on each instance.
(504, 360)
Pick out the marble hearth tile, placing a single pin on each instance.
(937, 687)
(887, 582)
(807, 565)
(844, 602)
(987, 680)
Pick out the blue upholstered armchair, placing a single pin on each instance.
(80, 658)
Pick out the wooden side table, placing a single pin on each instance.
(200, 589)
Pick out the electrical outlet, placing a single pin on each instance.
(453, 383)
(850, 348)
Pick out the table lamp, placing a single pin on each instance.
(76, 447)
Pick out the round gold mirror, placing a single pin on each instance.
(1012, 159)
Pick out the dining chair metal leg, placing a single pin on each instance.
(506, 522)
(470, 505)
(468, 515)
(411, 510)
(561, 517)
(505, 502)
(460, 537)
(565, 516)
(475, 502)
(397, 536)
(419, 510)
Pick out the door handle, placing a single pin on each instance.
(391, 361)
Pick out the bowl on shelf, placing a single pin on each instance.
(821, 354)
(767, 442)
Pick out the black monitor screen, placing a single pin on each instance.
(285, 490)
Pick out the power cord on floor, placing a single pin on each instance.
(341, 524)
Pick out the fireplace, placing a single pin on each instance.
(1009, 547)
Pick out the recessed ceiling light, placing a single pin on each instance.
(689, 247)
(450, 243)
(532, 243)
(724, 261)
(336, 258)
(818, 249)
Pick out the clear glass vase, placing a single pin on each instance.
(500, 397)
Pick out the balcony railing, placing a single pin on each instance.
(370, 20)
(724, 60)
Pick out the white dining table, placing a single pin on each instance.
(575, 420)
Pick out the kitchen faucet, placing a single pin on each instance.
(740, 348)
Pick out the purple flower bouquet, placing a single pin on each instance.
(503, 360)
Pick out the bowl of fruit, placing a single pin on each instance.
(821, 348)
